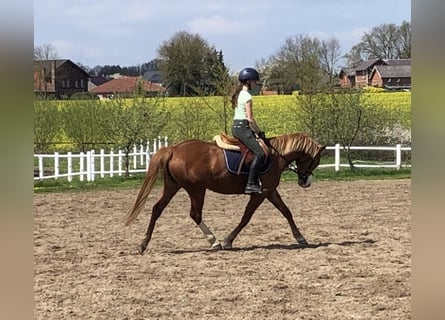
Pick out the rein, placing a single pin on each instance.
(289, 164)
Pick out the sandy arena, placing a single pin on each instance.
(357, 267)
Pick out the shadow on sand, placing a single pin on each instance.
(293, 246)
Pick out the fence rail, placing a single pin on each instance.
(87, 166)
(397, 164)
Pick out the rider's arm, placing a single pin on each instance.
(250, 117)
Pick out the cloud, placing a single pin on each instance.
(67, 49)
(128, 32)
(112, 18)
(218, 25)
(350, 37)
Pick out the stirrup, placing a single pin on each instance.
(252, 188)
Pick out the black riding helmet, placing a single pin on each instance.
(248, 74)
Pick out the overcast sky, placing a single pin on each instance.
(128, 33)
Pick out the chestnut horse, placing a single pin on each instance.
(197, 165)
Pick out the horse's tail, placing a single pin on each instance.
(157, 162)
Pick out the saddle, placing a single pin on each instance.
(234, 144)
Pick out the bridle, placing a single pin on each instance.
(289, 165)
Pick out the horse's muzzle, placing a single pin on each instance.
(305, 182)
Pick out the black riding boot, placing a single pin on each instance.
(252, 181)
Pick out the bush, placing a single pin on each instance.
(203, 117)
(84, 96)
(370, 89)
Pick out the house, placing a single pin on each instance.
(266, 92)
(96, 81)
(391, 77)
(126, 86)
(347, 78)
(360, 76)
(363, 70)
(59, 78)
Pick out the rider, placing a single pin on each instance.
(245, 127)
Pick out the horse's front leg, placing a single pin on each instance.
(276, 200)
(254, 203)
(209, 235)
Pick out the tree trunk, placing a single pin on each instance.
(349, 158)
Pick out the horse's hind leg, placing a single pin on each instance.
(197, 203)
(170, 189)
(276, 200)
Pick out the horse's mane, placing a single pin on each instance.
(295, 142)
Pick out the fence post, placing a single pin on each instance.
(159, 142)
(141, 154)
(81, 165)
(154, 145)
(135, 158)
(56, 165)
(70, 166)
(165, 141)
(111, 163)
(398, 156)
(92, 165)
(337, 157)
(88, 165)
(40, 167)
(119, 163)
(102, 163)
(147, 151)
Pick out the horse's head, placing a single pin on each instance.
(302, 149)
(306, 164)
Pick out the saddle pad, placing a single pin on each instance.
(233, 159)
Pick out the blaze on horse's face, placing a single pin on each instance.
(305, 167)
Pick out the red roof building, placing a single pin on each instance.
(127, 86)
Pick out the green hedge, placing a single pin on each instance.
(203, 117)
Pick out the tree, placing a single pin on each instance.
(309, 110)
(45, 52)
(330, 54)
(220, 84)
(126, 123)
(297, 63)
(84, 67)
(303, 63)
(385, 41)
(96, 70)
(152, 65)
(46, 118)
(42, 72)
(81, 121)
(404, 40)
(349, 118)
(273, 76)
(187, 63)
(194, 122)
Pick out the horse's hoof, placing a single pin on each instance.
(226, 246)
(141, 250)
(216, 246)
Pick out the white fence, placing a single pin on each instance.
(90, 164)
(397, 151)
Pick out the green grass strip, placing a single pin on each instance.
(135, 181)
